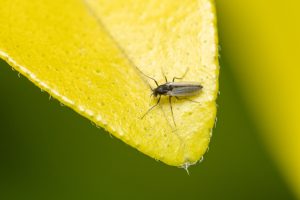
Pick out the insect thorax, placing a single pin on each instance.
(162, 89)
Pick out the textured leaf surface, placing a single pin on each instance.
(86, 54)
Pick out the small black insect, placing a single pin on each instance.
(173, 89)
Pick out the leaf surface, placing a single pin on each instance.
(88, 54)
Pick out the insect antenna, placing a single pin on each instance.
(148, 77)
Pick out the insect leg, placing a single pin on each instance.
(170, 101)
(151, 107)
(163, 73)
(187, 99)
(179, 78)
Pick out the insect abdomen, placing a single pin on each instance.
(185, 90)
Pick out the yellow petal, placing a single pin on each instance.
(88, 61)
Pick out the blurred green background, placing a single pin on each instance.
(50, 152)
(47, 151)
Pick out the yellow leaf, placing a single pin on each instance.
(87, 55)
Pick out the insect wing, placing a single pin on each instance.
(183, 89)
